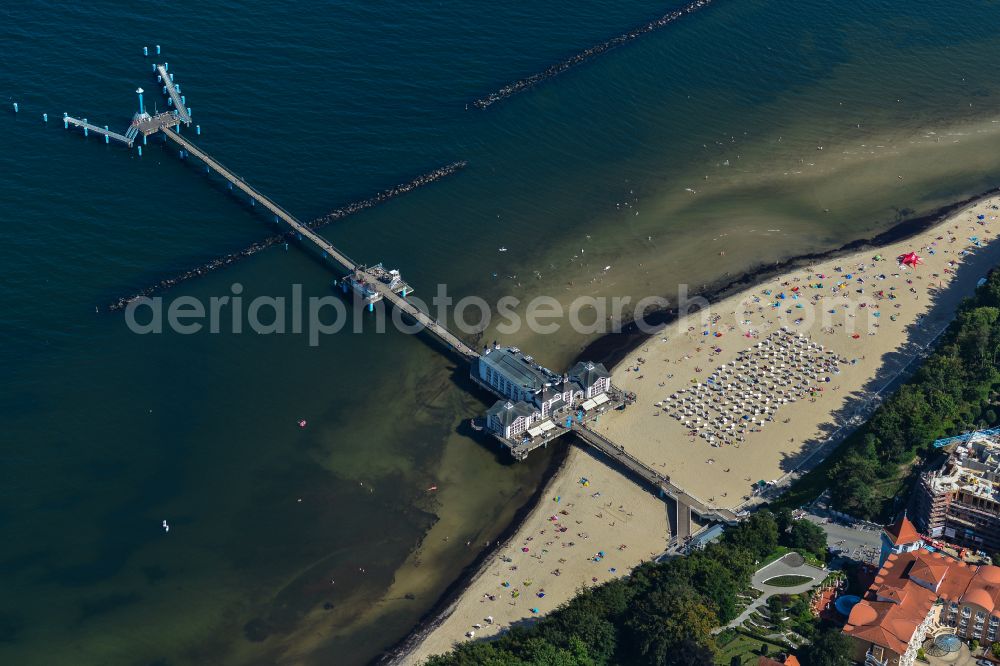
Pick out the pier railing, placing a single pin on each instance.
(684, 499)
(88, 127)
(175, 96)
(326, 247)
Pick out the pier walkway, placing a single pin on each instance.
(182, 111)
(327, 248)
(375, 284)
(84, 125)
(686, 503)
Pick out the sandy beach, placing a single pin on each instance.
(752, 388)
(590, 526)
(749, 388)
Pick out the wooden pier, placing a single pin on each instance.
(686, 503)
(179, 104)
(327, 248)
(149, 125)
(88, 127)
(378, 284)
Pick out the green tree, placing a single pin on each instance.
(739, 562)
(808, 536)
(690, 653)
(666, 619)
(586, 620)
(855, 495)
(715, 583)
(775, 605)
(783, 518)
(543, 653)
(528, 652)
(976, 331)
(829, 647)
(758, 535)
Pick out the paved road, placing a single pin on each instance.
(856, 543)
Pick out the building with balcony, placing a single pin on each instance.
(531, 395)
(511, 419)
(918, 593)
(592, 378)
(960, 501)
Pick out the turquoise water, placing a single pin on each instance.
(106, 433)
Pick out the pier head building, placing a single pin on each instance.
(536, 404)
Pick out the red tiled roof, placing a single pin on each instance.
(902, 532)
(956, 581)
(888, 593)
(891, 623)
(895, 605)
(983, 589)
(929, 567)
(790, 660)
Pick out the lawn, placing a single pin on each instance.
(744, 647)
(781, 551)
(787, 581)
